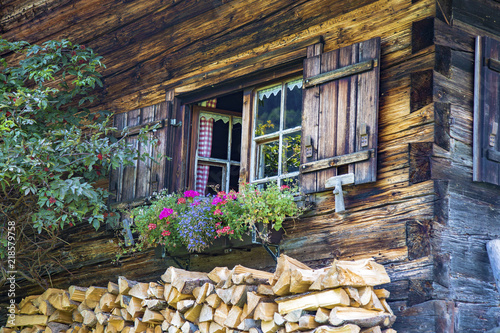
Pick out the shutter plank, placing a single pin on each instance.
(116, 176)
(129, 173)
(491, 110)
(353, 108)
(158, 169)
(328, 108)
(310, 114)
(143, 170)
(367, 111)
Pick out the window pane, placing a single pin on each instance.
(236, 141)
(219, 139)
(267, 159)
(216, 177)
(268, 111)
(234, 178)
(290, 181)
(293, 104)
(291, 152)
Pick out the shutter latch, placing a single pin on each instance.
(363, 134)
(308, 146)
(174, 123)
(337, 182)
(494, 133)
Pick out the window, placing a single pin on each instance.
(305, 129)
(277, 132)
(486, 145)
(217, 156)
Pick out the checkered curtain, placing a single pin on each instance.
(210, 103)
(204, 150)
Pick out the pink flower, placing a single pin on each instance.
(191, 194)
(195, 203)
(217, 212)
(181, 201)
(221, 194)
(166, 212)
(165, 233)
(151, 226)
(52, 200)
(284, 187)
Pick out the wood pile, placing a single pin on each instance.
(339, 298)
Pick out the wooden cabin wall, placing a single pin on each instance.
(468, 213)
(153, 46)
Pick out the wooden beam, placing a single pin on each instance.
(337, 161)
(339, 73)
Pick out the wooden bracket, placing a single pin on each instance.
(339, 73)
(337, 182)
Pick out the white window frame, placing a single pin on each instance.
(271, 137)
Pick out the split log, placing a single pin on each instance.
(102, 318)
(281, 286)
(307, 323)
(255, 330)
(252, 276)
(113, 288)
(124, 285)
(107, 302)
(279, 319)
(28, 320)
(152, 317)
(110, 329)
(375, 329)
(156, 290)
(349, 328)
(139, 326)
(291, 327)
(302, 279)
(76, 316)
(374, 303)
(77, 293)
(225, 294)
(62, 301)
(117, 322)
(59, 316)
(353, 295)
(27, 299)
(219, 274)
(206, 313)
(389, 330)
(93, 296)
(204, 327)
(269, 326)
(184, 305)
(215, 328)
(173, 329)
(213, 300)
(356, 274)
(29, 308)
(284, 264)
(365, 295)
(265, 311)
(46, 294)
(294, 316)
(220, 314)
(193, 314)
(313, 300)
(154, 304)
(233, 317)
(200, 293)
(177, 320)
(167, 314)
(135, 307)
(89, 318)
(128, 329)
(322, 316)
(386, 306)
(247, 324)
(184, 281)
(123, 300)
(98, 329)
(165, 325)
(139, 290)
(175, 296)
(56, 328)
(239, 294)
(265, 289)
(359, 316)
(189, 327)
(382, 293)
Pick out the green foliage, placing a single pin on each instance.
(194, 221)
(53, 149)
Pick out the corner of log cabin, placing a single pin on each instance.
(423, 218)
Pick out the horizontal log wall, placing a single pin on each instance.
(153, 46)
(469, 213)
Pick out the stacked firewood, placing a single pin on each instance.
(338, 298)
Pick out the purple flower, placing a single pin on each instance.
(191, 194)
(166, 212)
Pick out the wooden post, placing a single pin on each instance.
(493, 248)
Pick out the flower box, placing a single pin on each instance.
(224, 243)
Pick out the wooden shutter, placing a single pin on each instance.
(486, 145)
(134, 183)
(339, 119)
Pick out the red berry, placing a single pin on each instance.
(81, 61)
(98, 173)
(70, 224)
(99, 156)
(46, 169)
(52, 200)
(73, 53)
(8, 114)
(82, 47)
